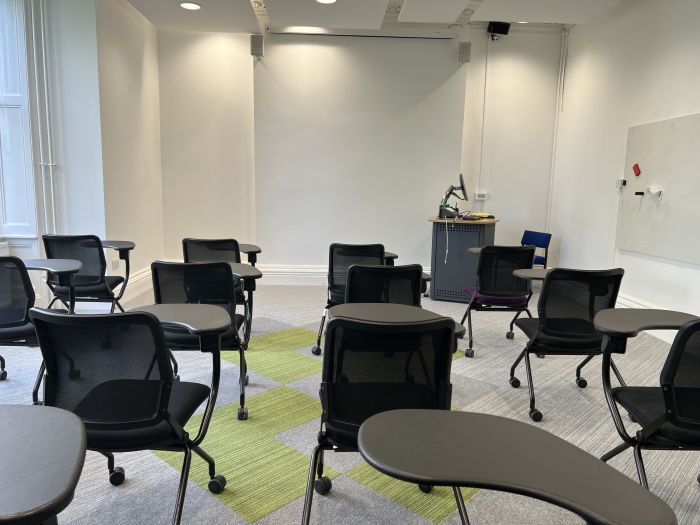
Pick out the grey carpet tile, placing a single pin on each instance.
(303, 438)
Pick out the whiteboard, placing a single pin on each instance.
(668, 155)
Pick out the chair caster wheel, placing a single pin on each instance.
(116, 477)
(74, 374)
(3, 375)
(541, 356)
(217, 484)
(510, 335)
(323, 485)
(514, 382)
(316, 350)
(425, 488)
(581, 382)
(535, 415)
(698, 478)
(469, 352)
(242, 413)
(247, 379)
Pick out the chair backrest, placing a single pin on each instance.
(369, 368)
(211, 250)
(538, 239)
(86, 355)
(85, 248)
(680, 378)
(16, 292)
(384, 284)
(570, 299)
(342, 256)
(205, 283)
(495, 268)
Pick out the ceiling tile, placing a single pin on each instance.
(542, 11)
(226, 16)
(432, 11)
(344, 14)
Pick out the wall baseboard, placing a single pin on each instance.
(139, 283)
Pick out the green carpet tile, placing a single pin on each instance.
(436, 506)
(263, 474)
(264, 355)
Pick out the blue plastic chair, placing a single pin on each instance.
(539, 240)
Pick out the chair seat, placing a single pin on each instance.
(186, 340)
(23, 333)
(539, 259)
(102, 290)
(553, 344)
(496, 300)
(646, 404)
(120, 400)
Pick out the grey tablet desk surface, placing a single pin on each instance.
(532, 274)
(197, 319)
(628, 322)
(65, 270)
(251, 250)
(43, 450)
(389, 313)
(441, 447)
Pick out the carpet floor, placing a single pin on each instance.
(265, 459)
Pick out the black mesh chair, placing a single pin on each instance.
(340, 258)
(370, 368)
(91, 283)
(205, 283)
(568, 303)
(669, 414)
(16, 298)
(497, 289)
(211, 250)
(113, 372)
(384, 284)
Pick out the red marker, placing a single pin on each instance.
(636, 170)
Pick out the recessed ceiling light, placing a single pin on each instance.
(326, 1)
(190, 6)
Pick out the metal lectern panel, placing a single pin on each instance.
(453, 267)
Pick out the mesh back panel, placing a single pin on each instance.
(95, 350)
(496, 266)
(368, 372)
(206, 283)
(85, 248)
(384, 284)
(539, 239)
(571, 298)
(211, 250)
(342, 256)
(16, 293)
(682, 374)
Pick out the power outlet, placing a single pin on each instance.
(480, 196)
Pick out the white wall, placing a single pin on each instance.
(130, 125)
(511, 96)
(206, 100)
(75, 104)
(639, 64)
(356, 139)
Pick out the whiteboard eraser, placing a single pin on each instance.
(655, 191)
(480, 196)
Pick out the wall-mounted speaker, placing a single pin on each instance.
(496, 29)
(257, 46)
(464, 54)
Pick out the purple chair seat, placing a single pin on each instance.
(495, 300)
